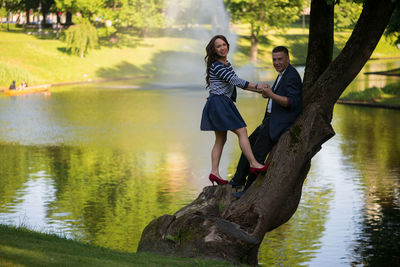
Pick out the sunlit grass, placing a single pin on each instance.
(44, 60)
(390, 94)
(22, 247)
(296, 39)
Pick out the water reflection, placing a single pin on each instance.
(376, 154)
(98, 163)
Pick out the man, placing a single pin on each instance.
(12, 86)
(284, 106)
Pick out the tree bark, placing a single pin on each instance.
(253, 48)
(253, 44)
(68, 19)
(320, 41)
(27, 14)
(217, 226)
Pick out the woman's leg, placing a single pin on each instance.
(246, 148)
(216, 152)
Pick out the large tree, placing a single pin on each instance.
(142, 14)
(9, 6)
(262, 15)
(216, 225)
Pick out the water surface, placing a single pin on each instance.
(97, 163)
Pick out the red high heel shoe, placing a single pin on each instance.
(259, 170)
(213, 178)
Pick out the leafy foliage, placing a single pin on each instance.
(369, 94)
(87, 8)
(80, 38)
(142, 14)
(261, 14)
(393, 28)
(347, 13)
(9, 73)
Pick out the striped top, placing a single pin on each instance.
(223, 79)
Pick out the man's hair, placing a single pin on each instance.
(280, 49)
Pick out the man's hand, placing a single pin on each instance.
(266, 91)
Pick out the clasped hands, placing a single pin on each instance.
(265, 89)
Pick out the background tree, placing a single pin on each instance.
(393, 29)
(86, 8)
(80, 38)
(215, 224)
(141, 14)
(3, 10)
(28, 6)
(9, 6)
(263, 15)
(46, 6)
(347, 13)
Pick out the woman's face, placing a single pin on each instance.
(221, 48)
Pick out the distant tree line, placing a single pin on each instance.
(126, 13)
(113, 16)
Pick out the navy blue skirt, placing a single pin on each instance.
(220, 114)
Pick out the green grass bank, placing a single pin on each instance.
(22, 247)
(42, 59)
(388, 96)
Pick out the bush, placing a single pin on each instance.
(392, 89)
(9, 74)
(366, 95)
(80, 38)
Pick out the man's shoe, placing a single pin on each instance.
(238, 194)
(233, 183)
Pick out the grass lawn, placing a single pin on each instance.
(43, 60)
(21, 247)
(296, 39)
(388, 95)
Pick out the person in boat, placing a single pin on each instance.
(12, 86)
(220, 113)
(23, 85)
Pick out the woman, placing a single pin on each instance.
(220, 113)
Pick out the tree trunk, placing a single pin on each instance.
(254, 49)
(44, 14)
(8, 21)
(27, 13)
(320, 41)
(216, 225)
(68, 19)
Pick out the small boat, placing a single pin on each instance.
(25, 91)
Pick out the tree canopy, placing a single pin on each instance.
(262, 15)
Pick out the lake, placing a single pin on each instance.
(98, 162)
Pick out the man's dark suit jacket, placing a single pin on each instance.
(282, 118)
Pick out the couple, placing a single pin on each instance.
(220, 113)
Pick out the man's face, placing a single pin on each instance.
(280, 61)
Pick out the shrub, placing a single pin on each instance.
(392, 89)
(80, 38)
(9, 74)
(366, 95)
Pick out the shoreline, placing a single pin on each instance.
(367, 104)
(82, 82)
(339, 101)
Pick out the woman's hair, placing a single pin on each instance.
(211, 55)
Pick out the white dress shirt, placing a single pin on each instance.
(269, 108)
